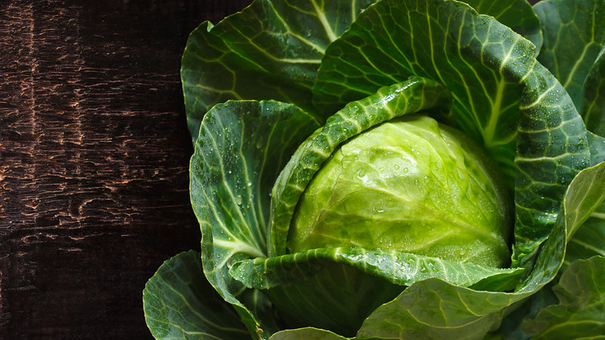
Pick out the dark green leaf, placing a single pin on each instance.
(581, 312)
(593, 106)
(573, 37)
(589, 240)
(240, 150)
(509, 329)
(516, 14)
(337, 298)
(586, 198)
(597, 148)
(433, 309)
(552, 146)
(179, 303)
(270, 50)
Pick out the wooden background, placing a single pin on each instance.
(94, 156)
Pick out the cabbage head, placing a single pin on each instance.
(409, 185)
(393, 169)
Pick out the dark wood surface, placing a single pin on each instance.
(94, 156)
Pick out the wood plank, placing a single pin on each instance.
(94, 154)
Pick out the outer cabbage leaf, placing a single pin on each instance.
(399, 268)
(552, 145)
(240, 150)
(591, 194)
(573, 37)
(270, 50)
(581, 312)
(179, 303)
(589, 240)
(337, 297)
(574, 47)
(597, 148)
(509, 329)
(516, 14)
(593, 106)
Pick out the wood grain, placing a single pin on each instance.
(94, 156)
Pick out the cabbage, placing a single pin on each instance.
(408, 185)
(393, 169)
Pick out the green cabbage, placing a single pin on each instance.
(393, 169)
(408, 185)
